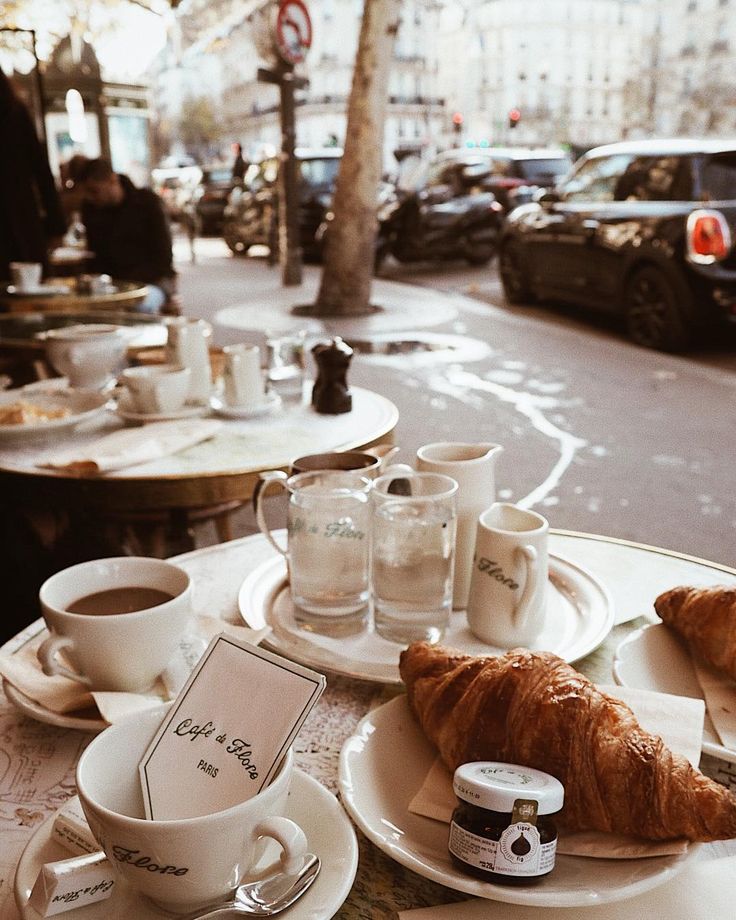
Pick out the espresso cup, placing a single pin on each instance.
(508, 585)
(186, 863)
(157, 388)
(115, 650)
(26, 276)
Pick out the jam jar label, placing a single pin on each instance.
(518, 852)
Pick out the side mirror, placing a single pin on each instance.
(546, 197)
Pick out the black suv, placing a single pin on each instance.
(251, 214)
(639, 228)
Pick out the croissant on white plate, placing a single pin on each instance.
(534, 709)
(706, 619)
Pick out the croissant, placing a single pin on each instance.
(533, 709)
(706, 617)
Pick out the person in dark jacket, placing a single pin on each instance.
(31, 217)
(129, 234)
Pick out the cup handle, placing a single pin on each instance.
(292, 840)
(46, 654)
(265, 480)
(531, 560)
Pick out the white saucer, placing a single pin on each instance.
(270, 402)
(78, 720)
(384, 764)
(82, 406)
(126, 411)
(655, 658)
(580, 616)
(329, 833)
(44, 289)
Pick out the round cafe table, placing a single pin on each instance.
(66, 299)
(40, 759)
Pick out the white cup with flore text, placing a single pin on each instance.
(508, 585)
(185, 863)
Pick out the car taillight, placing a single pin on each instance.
(708, 237)
(508, 183)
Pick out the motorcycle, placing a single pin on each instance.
(452, 219)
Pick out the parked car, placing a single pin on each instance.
(443, 215)
(514, 173)
(640, 228)
(251, 215)
(209, 197)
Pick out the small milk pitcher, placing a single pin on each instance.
(472, 466)
(187, 346)
(508, 588)
(328, 553)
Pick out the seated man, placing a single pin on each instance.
(129, 234)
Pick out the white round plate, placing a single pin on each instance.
(382, 767)
(655, 658)
(83, 405)
(580, 616)
(271, 401)
(329, 833)
(85, 722)
(125, 410)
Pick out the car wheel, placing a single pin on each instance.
(514, 276)
(659, 307)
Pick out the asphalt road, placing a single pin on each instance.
(599, 435)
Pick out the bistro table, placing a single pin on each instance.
(126, 296)
(37, 761)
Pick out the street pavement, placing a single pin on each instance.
(599, 435)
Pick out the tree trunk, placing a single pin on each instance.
(345, 289)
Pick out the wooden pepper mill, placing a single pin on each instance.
(331, 394)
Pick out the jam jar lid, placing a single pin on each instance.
(497, 786)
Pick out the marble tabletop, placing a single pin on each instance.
(37, 761)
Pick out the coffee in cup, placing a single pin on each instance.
(186, 863)
(118, 620)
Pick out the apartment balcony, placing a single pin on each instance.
(416, 100)
(720, 46)
(688, 51)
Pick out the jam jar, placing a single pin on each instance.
(503, 828)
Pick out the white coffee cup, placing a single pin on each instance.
(157, 388)
(26, 276)
(119, 651)
(89, 354)
(198, 860)
(508, 587)
(242, 377)
(472, 466)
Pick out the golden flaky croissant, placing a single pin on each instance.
(706, 618)
(532, 708)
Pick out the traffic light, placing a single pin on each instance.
(514, 117)
(457, 122)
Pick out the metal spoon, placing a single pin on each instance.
(267, 896)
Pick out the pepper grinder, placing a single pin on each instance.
(331, 394)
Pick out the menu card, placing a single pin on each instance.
(226, 733)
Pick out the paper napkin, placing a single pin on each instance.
(132, 446)
(61, 695)
(678, 721)
(719, 691)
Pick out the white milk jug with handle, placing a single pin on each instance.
(187, 346)
(472, 466)
(509, 584)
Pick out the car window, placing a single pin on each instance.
(595, 179)
(718, 178)
(541, 172)
(501, 166)
(660, 178)
(218, 175)
(320, 172)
